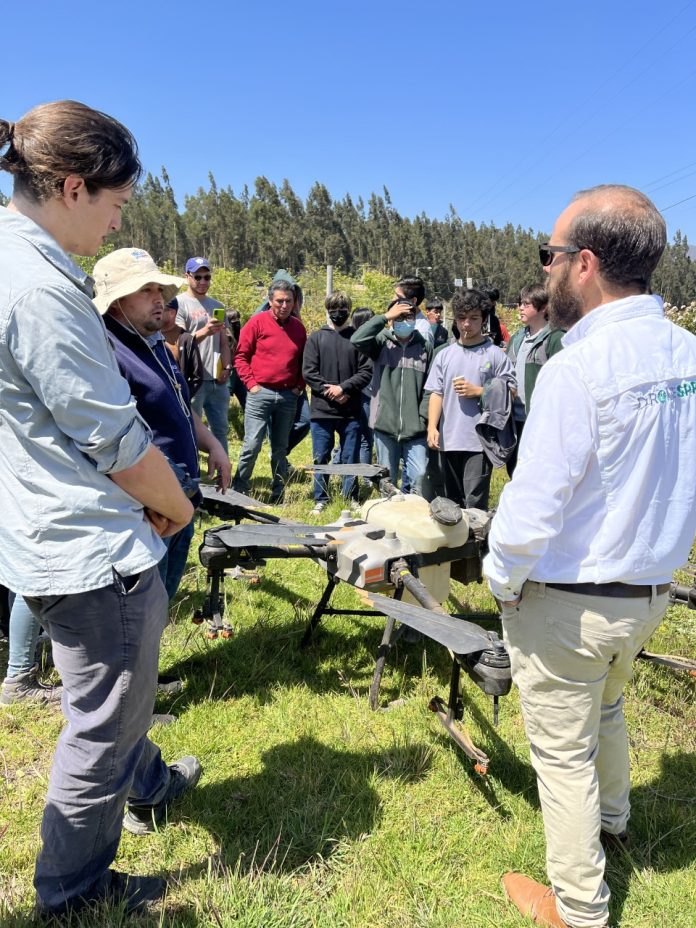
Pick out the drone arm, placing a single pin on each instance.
(685, 595)
(402, 576)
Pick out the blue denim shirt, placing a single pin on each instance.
(67, 420)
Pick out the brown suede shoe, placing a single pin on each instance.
(533, 900)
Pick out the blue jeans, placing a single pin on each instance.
(272, 411)
(366, 434)
(173, 564)
(214, 399)
(24, 633)
(323, 437)
(300, 425)
(413, 453)
(105, 647)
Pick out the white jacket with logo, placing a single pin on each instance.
(604, 488)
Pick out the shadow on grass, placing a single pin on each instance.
(661, 830)
(306, 801)
(260, 657)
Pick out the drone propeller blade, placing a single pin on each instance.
(281, 535)
(371, 471)
(229, 504)
(458, 635)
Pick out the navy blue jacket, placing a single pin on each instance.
(173, 432)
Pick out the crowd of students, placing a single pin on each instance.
(397, 381)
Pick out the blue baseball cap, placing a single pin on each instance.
(195, 264)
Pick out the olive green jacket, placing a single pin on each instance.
(546, 344)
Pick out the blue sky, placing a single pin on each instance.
(502, 109)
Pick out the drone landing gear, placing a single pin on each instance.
(213, 609)
(388, 638)
(685, 664)
(322, 609)
(452, 713)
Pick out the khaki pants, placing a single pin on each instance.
(571, 656)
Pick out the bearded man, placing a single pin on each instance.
(581, 558)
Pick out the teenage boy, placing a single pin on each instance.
(336, 373)
(412, 290)
(529, 349)
(459, 376)
(399, 407)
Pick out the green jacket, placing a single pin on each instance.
(546, 344)
(399, 405)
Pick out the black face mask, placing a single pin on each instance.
(338, 316)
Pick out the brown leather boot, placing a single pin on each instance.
(534, 900)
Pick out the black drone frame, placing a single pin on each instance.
(479, 653)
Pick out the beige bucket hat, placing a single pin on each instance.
(125, 271)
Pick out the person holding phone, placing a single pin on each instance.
(204, 318)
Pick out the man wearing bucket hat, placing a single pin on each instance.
(131, 293)
(195, 315)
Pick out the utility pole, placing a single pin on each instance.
(329, 279)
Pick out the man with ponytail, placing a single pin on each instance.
(86, 497)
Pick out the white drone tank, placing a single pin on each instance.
(409, 516)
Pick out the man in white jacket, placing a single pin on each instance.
(581, 560)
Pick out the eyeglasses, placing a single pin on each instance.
(546, 252)
(201, 276)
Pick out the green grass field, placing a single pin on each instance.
(315, 811)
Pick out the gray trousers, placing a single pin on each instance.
(106, 649)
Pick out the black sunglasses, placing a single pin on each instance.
(201, 276)
(546, 252)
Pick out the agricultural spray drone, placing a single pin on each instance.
(398, 545)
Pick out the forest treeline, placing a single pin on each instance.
(273, 227)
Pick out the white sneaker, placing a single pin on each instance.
(318, 509)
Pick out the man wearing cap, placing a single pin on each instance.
(581, 558)
(131, 291)
(195, 315)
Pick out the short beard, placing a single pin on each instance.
(565, 306)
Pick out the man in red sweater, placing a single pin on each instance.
(269, 363)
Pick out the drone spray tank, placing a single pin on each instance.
(425, 530)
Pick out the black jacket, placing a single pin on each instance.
(330, 358)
